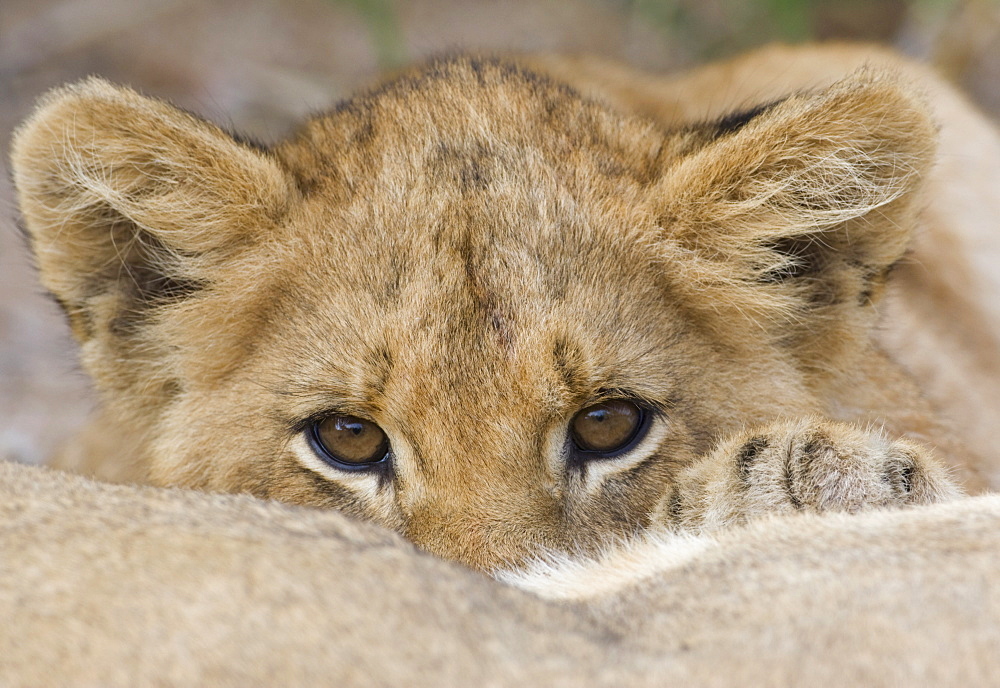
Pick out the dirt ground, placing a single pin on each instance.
(257, 66)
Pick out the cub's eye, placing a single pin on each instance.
(348, 441)
(608, 428)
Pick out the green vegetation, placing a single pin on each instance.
(710, 28)
(380, 16)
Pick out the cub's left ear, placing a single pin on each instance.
(801, 207)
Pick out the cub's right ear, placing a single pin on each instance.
(129, 202)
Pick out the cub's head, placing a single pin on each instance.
(470, 305)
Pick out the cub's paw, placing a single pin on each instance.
(803, 465)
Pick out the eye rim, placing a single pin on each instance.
(328, 457)
(646, 415)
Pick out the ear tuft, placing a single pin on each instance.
(805, 205)
(103, 146)
(124, 196)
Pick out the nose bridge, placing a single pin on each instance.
(479, 488)
(485, 497)
(485, 440)
(486, 526)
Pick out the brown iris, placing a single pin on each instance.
(607, 427)
(350, 440)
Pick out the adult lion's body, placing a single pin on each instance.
(122, 586)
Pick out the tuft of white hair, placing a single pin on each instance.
(569, 577)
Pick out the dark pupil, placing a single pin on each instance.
(351, 439)
(606, 427)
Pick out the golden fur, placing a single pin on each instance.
(473, 252)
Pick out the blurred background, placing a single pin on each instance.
(258, 66)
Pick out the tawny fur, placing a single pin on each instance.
(474, 251)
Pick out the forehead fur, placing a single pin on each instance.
(473, 198)
(479, 107)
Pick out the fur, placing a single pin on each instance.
(122, 586)
(215, 317)
(472, 252)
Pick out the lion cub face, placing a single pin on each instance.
(470, 305)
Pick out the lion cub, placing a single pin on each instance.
(486, 311)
